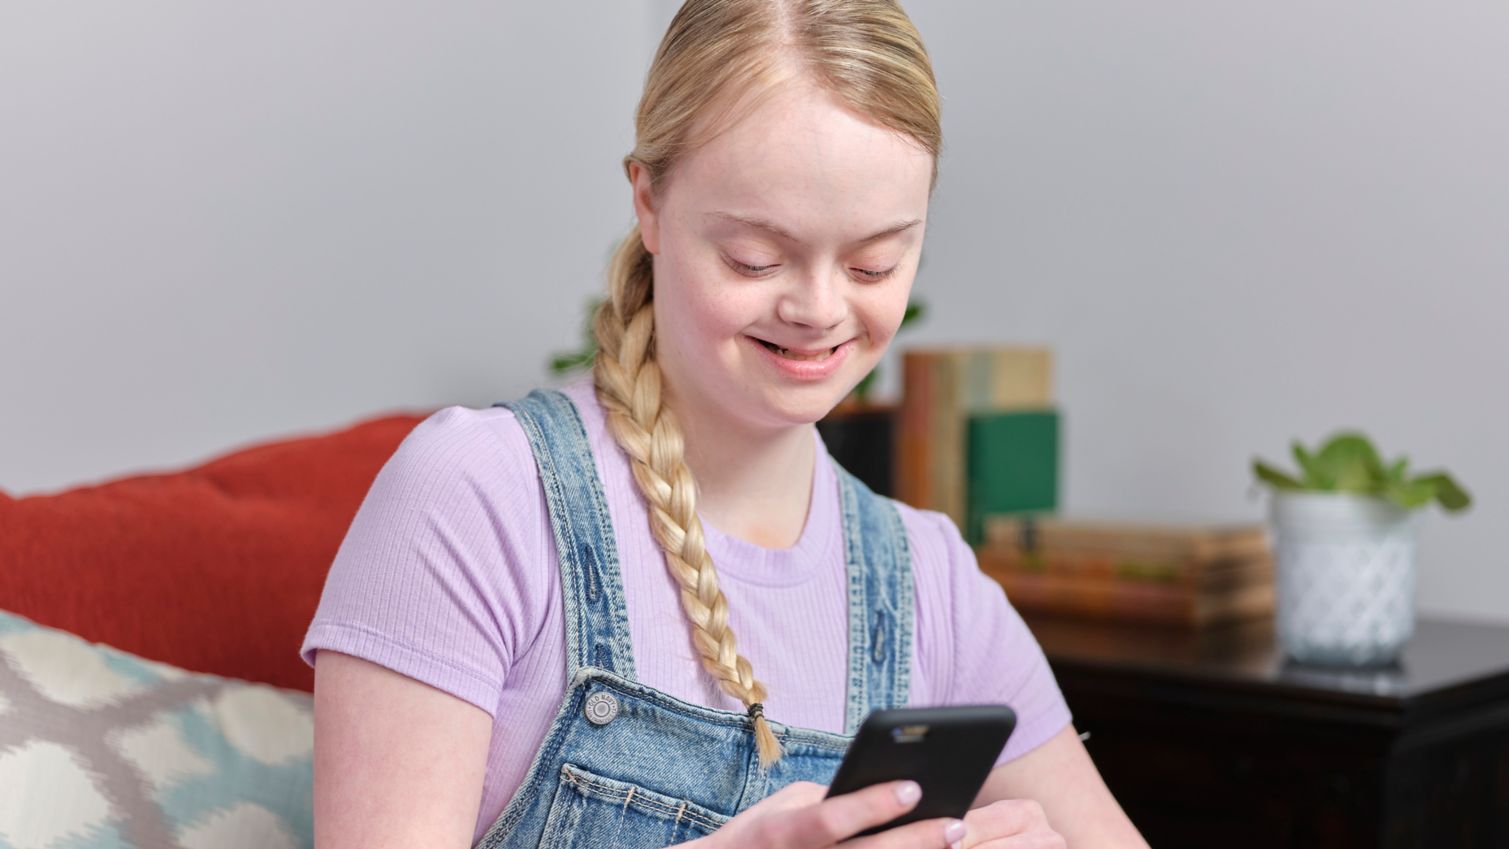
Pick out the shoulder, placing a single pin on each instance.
(462, 447)
(451, 437)
(441, 574)
(465, 474)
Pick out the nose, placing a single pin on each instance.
(815, 300)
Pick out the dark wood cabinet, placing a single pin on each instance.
(1212, 739)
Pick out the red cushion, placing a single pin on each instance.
(215, 569)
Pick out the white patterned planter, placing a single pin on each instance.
(1346, 577)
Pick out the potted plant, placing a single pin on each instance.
(1344, 543)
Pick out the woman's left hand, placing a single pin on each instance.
(1010, 824)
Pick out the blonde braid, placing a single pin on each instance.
(628, 382)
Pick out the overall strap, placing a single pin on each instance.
(597, 624)
(880, 601)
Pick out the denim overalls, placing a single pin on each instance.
(627, 765)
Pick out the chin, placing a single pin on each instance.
(809, 405)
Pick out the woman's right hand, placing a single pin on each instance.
(797, 816)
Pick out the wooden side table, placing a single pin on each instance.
(1212, 739)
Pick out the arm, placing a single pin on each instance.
(990, 656)
(397, 763)
(1060, 776)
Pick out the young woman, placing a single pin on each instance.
(528, 636)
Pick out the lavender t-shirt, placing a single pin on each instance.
(449, 575)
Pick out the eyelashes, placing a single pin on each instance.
(749, 269)
(761, 270)
(875, 275)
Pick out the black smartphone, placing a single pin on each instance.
(948, 750)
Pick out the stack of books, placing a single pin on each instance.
(1181, 575)
(977, 433)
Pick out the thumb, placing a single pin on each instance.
(797, 794)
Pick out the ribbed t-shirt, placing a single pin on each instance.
(449, 575)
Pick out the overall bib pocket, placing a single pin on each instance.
(590, 809)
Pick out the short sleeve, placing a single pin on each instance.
(441, 576)
(994, 656)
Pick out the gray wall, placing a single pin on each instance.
(1237, 224)
(220, 223)
(1234, 226)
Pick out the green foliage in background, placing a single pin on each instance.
(564, 362)
(1348, 462)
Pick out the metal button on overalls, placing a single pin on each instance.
(601, 708)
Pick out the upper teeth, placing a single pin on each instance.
(821, 355)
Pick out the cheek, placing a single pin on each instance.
(693, 298)
(884, 311)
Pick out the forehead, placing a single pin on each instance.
(802, 158)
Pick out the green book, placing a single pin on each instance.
(1012, 466)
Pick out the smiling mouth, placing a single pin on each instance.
(794, 355)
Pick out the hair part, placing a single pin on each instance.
(718, 60)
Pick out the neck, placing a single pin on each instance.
(752, 484)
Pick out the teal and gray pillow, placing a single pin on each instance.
(101, 748)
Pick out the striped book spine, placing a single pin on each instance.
(942, 388)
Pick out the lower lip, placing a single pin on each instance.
(805, 370)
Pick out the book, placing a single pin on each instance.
(1134, 601)
(1189, 575)
(1111, 566)
(942, 387)
(1188, 544)
(1012, 466)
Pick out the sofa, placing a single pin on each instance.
(151, 692)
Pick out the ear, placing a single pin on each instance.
(644, 207)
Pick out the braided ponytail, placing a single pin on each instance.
(628, 383)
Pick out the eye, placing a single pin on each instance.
(746, 268)
(867, 274)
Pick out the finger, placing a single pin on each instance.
(797, 794)
(1005, 817)
(845, 815)
(923, 834)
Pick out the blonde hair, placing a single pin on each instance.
(715, 54)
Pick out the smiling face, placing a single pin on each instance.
(784, 253)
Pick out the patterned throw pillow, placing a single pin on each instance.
(100, 748)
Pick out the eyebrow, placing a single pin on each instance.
(772, 227)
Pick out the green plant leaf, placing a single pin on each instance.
(1410, 494)
(563, 363)
(1307, 469)
(1446, 490)
(1349, 463)
(1397, 471)
(1276, 478)
(914, 311)
(566, 361)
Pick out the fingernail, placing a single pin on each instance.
(908, 792)
(953, 835)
